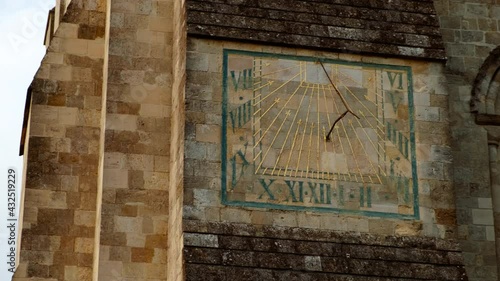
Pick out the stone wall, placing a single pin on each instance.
(100, 157)
(135, 200)
(471, 31)
(229, 251)
(61, 185)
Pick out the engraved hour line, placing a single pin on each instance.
(274, 91)
(274, 139)
(277, 100)
(270, 125)
(350, 92)
(378, 122)
(310, 138)
(338, 135)
(359, 140)
(376, 146)
(263, 86)
(303, 70)
(287, 114)
(329, 123)
(309, 149)
(382, 131)
(289, 130)
(356, 82)
(364, 150)
(302, 141)
(337, 130)
(318, 138)
(293, 145)
(296, 133)
(338, 92)
(254, 119)
(348, 142)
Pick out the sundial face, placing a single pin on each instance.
(313, 134)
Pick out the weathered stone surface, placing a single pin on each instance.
(400, 28)
(335, 254)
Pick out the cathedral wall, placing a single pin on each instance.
(99, 157)
(224, 141)
(135, 199)
(61, 174)
(470, 32)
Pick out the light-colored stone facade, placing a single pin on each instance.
(118, 157)
(97, 188)
(470, 31)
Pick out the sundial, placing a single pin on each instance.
(316, 134)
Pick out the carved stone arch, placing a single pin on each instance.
(485, 103)
(485, 99)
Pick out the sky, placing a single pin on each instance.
(22, 29)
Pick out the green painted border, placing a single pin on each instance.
(225, 201)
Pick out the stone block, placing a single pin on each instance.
(111, 269)
(313, 263)
(140, 162)
(445, 216)
(197, 61)
(490, 233)
(423, 99)
(474, 10)
(461, 50)
(81, 74)
(204, 197)
(75, 46)
(427, 113)
(380, 226)
(46, 199)
(333, 223)
(482, 217)
(60, 72)
(408, 228)
(67, 30)
(208, 133)
(53, 58)
(96, 49)
(235, 215)
(201, 240)
(155, 110)
(160, 24)
(67, 116)
(84, 245)
(492, 37)
(161, 164)
(487, 24)
(85, 218)
(160, 256)
(135, 240)
(115, 178)
(357, 225)
(431, 170)
(120, 253)
(134, 270)
(156, 180)
(308, 220)
(128, 224)
(484, 203)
